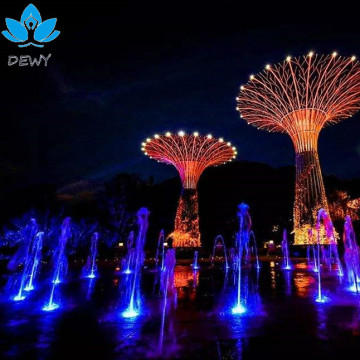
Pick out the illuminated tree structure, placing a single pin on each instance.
(299, 97)
(191, 155)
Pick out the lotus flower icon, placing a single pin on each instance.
(31, 30)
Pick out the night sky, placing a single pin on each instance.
(122, 71)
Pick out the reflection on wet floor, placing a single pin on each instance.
(283, 318)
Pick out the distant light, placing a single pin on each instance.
(181, 133)
(121, 244)
(165, 244)
(168, 134)
(271, 241)
(196, 133)
(267, 67)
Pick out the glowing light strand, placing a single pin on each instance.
(190, 155)
(299, 97)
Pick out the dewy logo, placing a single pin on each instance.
(31, 30)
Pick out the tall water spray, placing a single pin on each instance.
(285, 250)
(323, 218)
(242, 239)
(311, 251)
(130, 253)
(161, 245)
(166, 288)
(30, 247)
(36, 258)
(219, 240)
(254, 244)
(60, 264)
(133, 308)
(351, 255)
(90, 268)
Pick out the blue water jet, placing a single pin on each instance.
(60, 264)
(285, 250)
(90, 269)
(32, 257)
(195, 264)
(133, 308)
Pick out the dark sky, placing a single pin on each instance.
(121, 71)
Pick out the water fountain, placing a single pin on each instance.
(166, 288)
(332, 253)
(130, 253)
(252, 237)
(90, 268)
(219, 240)
(242, 239)
(31, 257)
(195, 264)
(36, 251)
(311, 259)
(285, 250)
(322, 216)
(351, 255)
(60, 264)
(160, 243)
(133, 308)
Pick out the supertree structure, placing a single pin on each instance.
(191, 155)
(299, 97)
